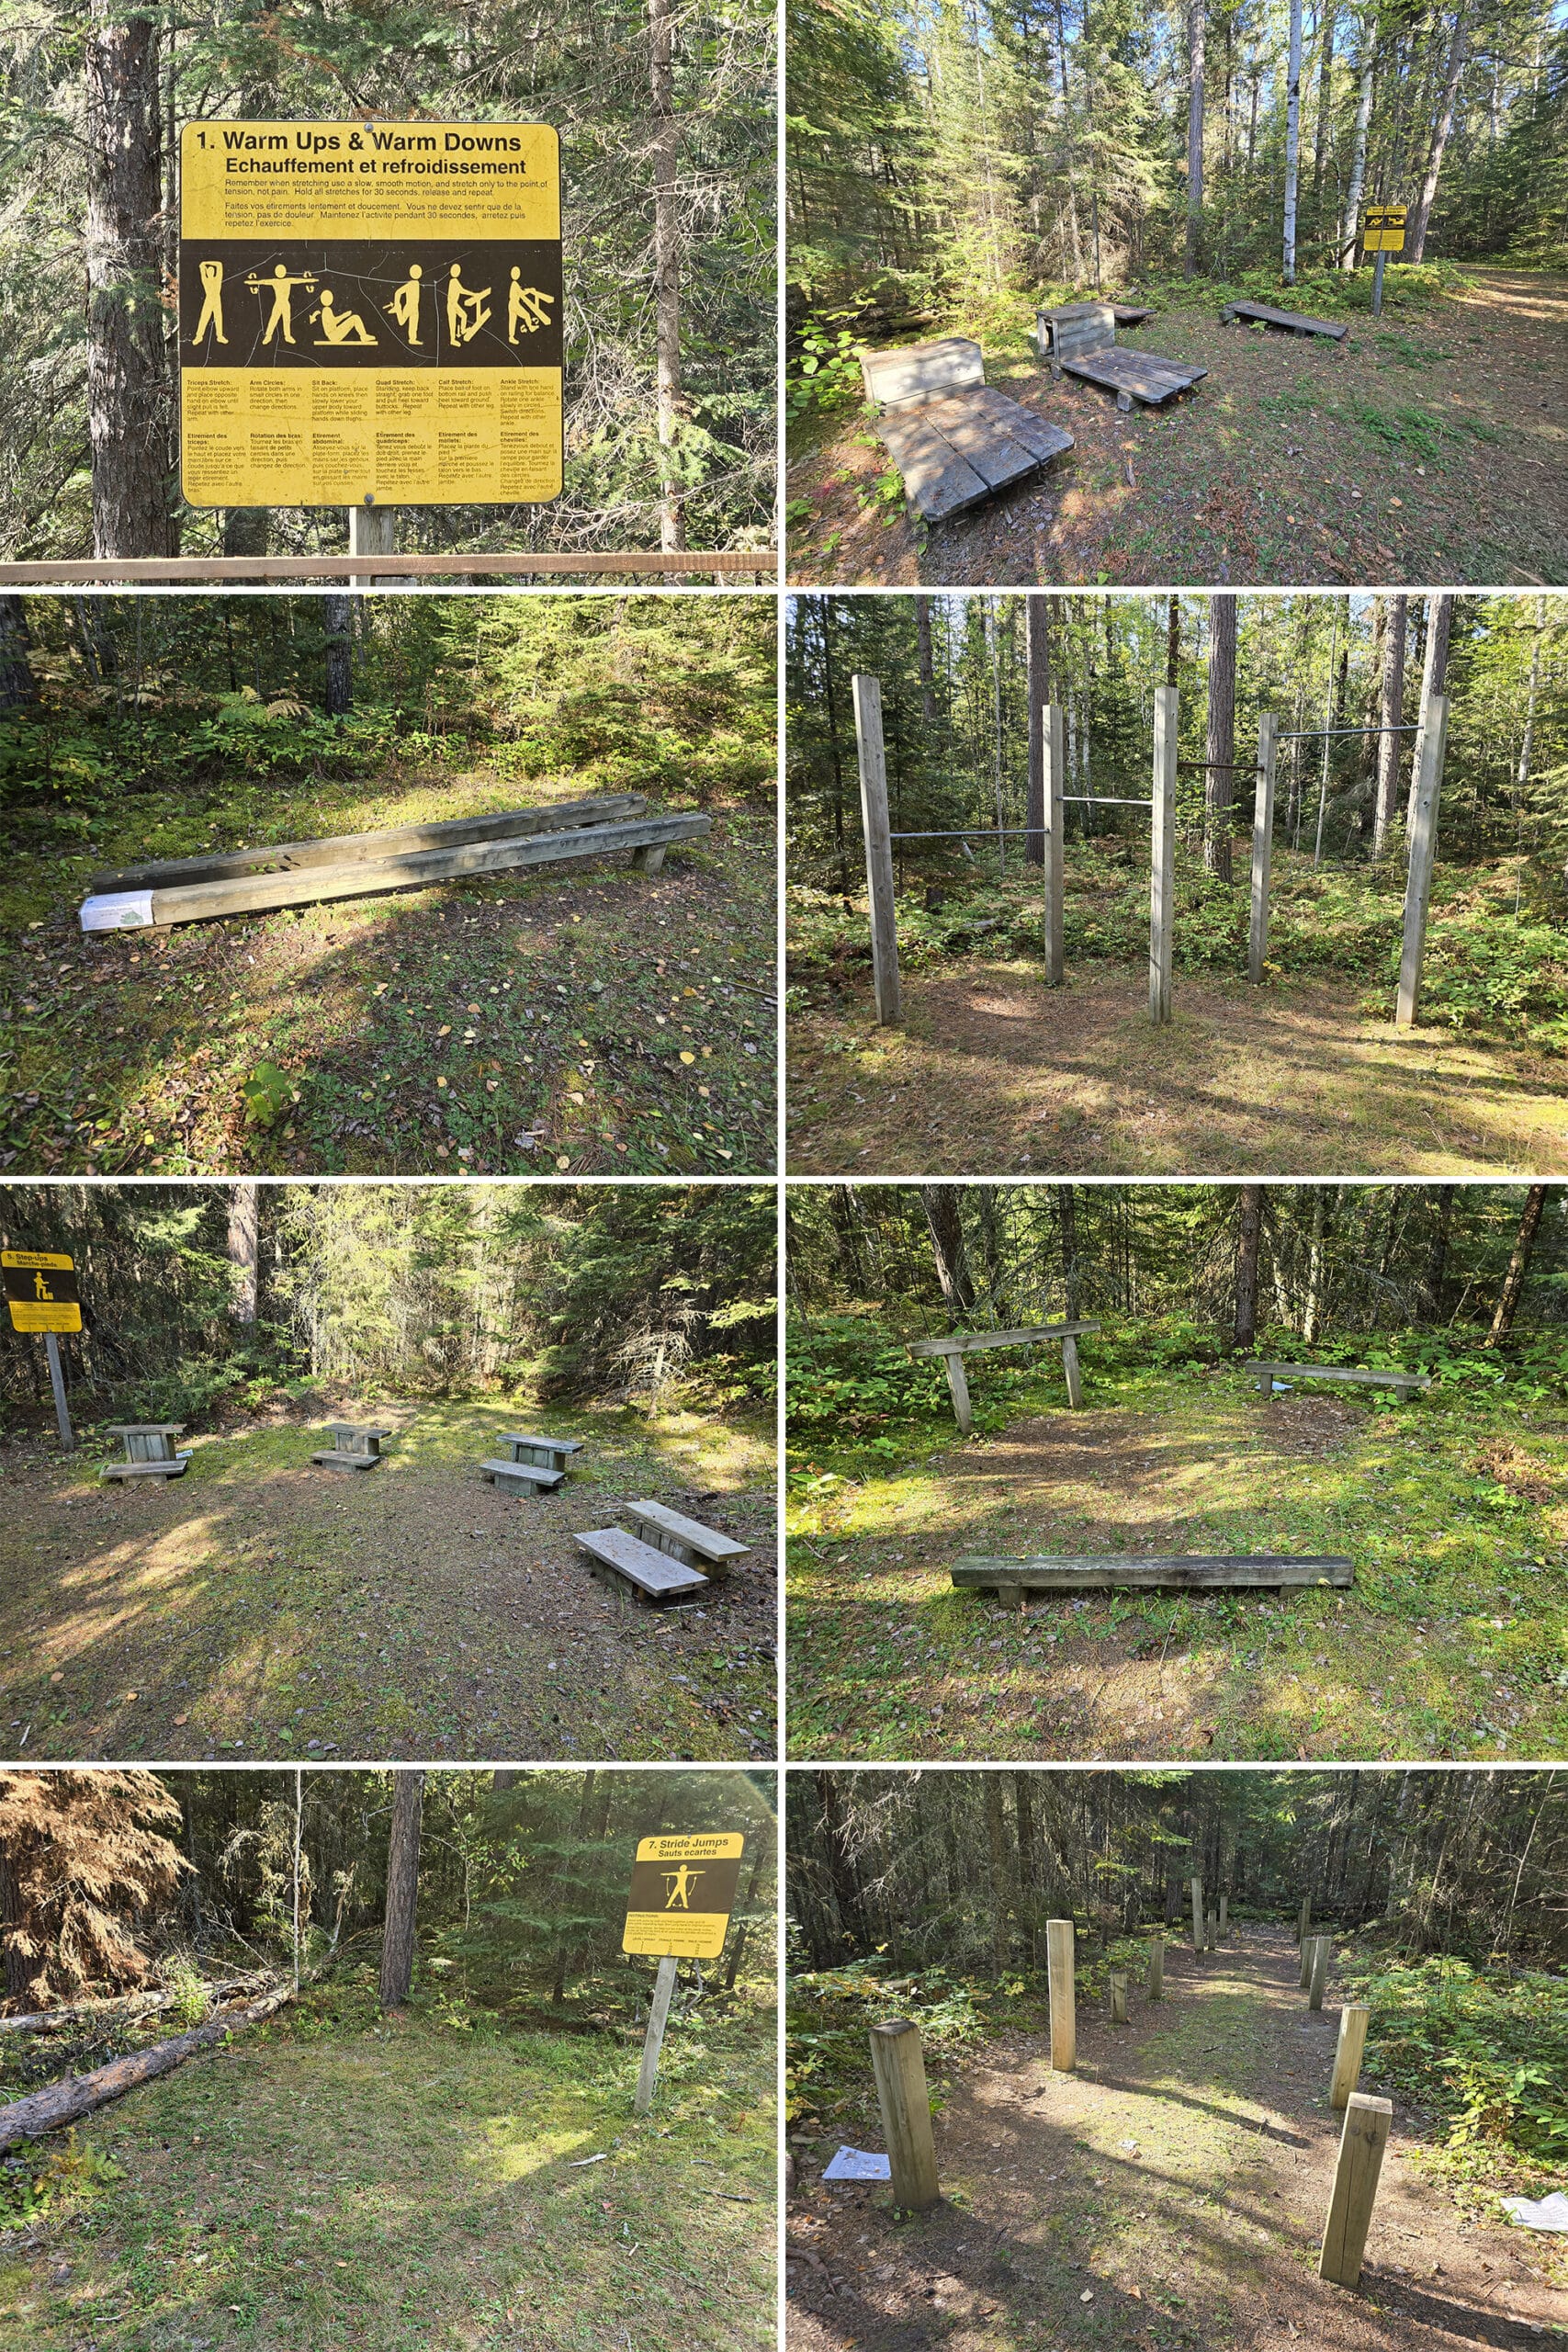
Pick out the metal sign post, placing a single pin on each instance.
(40, 1291)
(678, 1907)
(1385, 234)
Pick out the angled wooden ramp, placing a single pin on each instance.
(1297, 322)
(1012, 1579)
(1134, 375)
(954, 439)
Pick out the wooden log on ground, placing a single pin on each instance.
(901, 2093)
(1367, 2123)
(1195, 1571)
(62, 2103)
(1060, 1961)
(126, 2005)
(1348, 2052)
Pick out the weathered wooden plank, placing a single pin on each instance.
(554, 1452)
(954, 452)
(938, 483)
(984, 441)
(916, 370)
(339, 1458)
(1268, 1372)
(683, 1538)
(522, 1478)
(253, 894)
(174, 1468)
(359, 849)
(1136, 375)
(1020, 422)
(1090, 1573)
(1073, 328)
(1297, 321)
(653, 1575)
(958, 1343)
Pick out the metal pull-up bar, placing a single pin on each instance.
(1316, 734)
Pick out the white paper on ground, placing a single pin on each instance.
(854, 2163)
(118, 911)
(1552, 2213)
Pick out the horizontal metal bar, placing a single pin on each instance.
(969, 833)
(1240, 767)
(1102, 800)
(1314, 734)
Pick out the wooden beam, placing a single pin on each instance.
(952, 1365)
(901, 2093)
(1186, 1573)
(1403, 1381)
(1054, 817)
(1262, 846)
(1367, 2123)
(1348, 2052)
(876, 835)
(958, 1343)
(1430, 749)
(221, 572)
(1162, 852)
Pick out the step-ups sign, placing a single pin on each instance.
(1384, 232)
(370, 313)
(682, 1893)
(41, 1290)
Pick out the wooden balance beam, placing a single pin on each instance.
(1012, 1579)
(958, 1344)
(647, 837)
(1297, 322)
(1404, 1383)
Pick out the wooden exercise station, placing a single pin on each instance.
(354, 1446)
(1295, 322)
(1013, 1579)
(956, 1345)
(532, 1465)
(954, 439)
(150, 1451)
(1405, 1385)
(1079, 339)
(663, 1560)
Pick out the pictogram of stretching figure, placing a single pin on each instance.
(280, 286)
(526, 307)
(681, 1883)
(41, 1290)
(467, 309)
(211, 276)
(403, 308)
(339, 326)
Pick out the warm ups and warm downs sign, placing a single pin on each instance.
(369, 314)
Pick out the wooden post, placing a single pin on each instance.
(1361, 2144)
(1262, 846)
(1054, 772)
(1211, 1927)
(658, 2017)
(373, 530)
(57, 1382)
(1118, 1997)
(1305, 1977)
(1348, 2052)
(1070, 1371)
(1063, 2020)
(1304, 1921)
(1225, 1917)
(1162, 852)
(875, 831)
(1154, 1985)
(953, 1367)
(902, 2095)
(1423, 853)
(1197, 1915)
(1319, 1971)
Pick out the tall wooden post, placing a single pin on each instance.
(1348, 2052)
(1367, 2125)
(1225, 1917)
(1153, 1983)
(1319, 1976)
(1211, 1929)
(57, 1382)
(1307, 1950)
(901, 2094)
(875, 832)
(1054, 768)
(1070, 1371)
(653, 2041)
(1162, 850)
(1118, 1997)
(1430, 747)
(1304, 1920)
(1262, 846)
(1059, 1960)
(953, 1367)
(1197, 1915)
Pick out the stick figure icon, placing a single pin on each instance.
(211, 276)
(403, 308)
(526, 306)
(681, 1882)
(41, 1290)
(467, 309)
(339, 326)
(280, 286)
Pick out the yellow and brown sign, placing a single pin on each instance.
(1384, 232)
(370, 313)
(682, 1893)
(41, 1290)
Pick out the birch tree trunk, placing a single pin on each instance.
(1222, 736)
(128, 386)
(1350, 228)
(1439, 620)
(666, 264)
(403, 1888)
(1292, 139)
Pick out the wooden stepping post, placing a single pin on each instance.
(1118, 1997)
(1197, 1915)
(1154, 1982)
(1348, 2052)
(1367, 2125)
(1304, 1921)
(1225, 1917)
(1210, 1931)
(1060, 1964)
(901, 2094)
(1319, 1976)
(1429, 749)
(1262, 846)
(1055, 769)
(1162, 852)
(877, 834)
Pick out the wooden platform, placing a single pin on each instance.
(684, 1539)
(961, 449)
(1296, 321)
(549, 1453)
(626, 1560)
(1407, 1383)
(1134, 375)
(1011, 1579)
(174, 1468)
(522, 1478)
(331, 1459)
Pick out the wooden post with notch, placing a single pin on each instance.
(1059, 1957)
(1153, 1983)
(876, 835)
(1262, 846)
(1053, 769)
(1361, 2144)
(1348, 2052)
(1319, 1976)
(1162, 850)
(901, 2094)
(1429, 753)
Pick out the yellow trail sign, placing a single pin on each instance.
(370, 313)
(1384, 230)
(682, 1893)
(41, 1290)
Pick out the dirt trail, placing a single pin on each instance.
(1171, 2192)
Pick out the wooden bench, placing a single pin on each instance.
(514, 1478)
(956, 440)
(352, 1447)
(1403, 1383)
(1296, 321)
(549, 1453)
(1083, 343)
(633, 1566)
(150, 1451)
(1012, 1579)
(683, 1539)
(161, 900)
(958, 1344)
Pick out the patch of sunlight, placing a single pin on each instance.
(513, 2150)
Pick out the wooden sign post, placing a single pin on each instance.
(1384, 234)
(40, 1291)
(678, 1906)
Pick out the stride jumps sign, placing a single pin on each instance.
(370, 313)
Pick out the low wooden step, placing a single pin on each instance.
(175, 1468)
(551, 1453)
(684, 1539)
(332, 1459)
(1192, 1572)
(522, 1478)
(616, 1557)
(1297, 322)
(1134, 375)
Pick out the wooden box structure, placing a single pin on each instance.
(956, 441)
(1013, 1579)
(352, 1447)
(956, 1345)
(1403, 1383)
(150, 1451)
(1081, 338)
(532, 1464)
(651, 1576)
(1123, 314)
(683, 1539)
